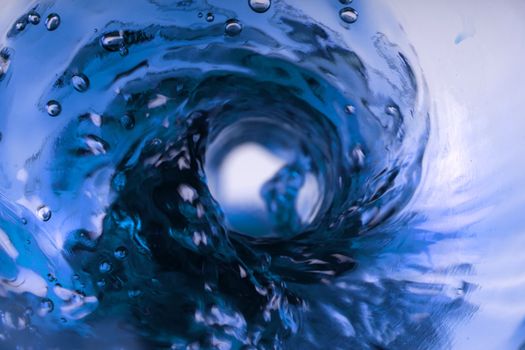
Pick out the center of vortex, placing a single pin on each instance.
(264, 181)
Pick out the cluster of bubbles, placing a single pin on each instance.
(51, 23)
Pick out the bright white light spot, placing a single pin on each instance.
(242, 174)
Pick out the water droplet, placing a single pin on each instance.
(44, 213)
(33, 18)
(121, 253)
(232, 27)
(104, 267)
(80, 82)
(260, 6)
(52, 21)
(210, 17)
(46, 306)
(127, 121)
(349, 109)
(53, 108)
(348, 15)
(113, 41)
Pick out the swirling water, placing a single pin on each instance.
(216, 175)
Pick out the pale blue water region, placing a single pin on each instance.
(215, 175)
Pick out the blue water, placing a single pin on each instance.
(116, 119)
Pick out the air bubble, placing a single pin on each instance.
(349, 109)
(46, 306)
(127, 121)
(113, 41)
(52, 22)
(210, 17)
(345, 2)
(4, 63)
(104, 267)
(233, 27)
(20, 25)
(134, 293)
(96, 145)
(123, 51)
(260, 6)
(358, 157)
(348, 15)
(101, 283)
(121, 253)
(392, 110)
(53, 108)
(44, 213)
(33, 18)
(80, 82)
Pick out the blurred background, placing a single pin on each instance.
(472, 53)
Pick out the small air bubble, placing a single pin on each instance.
(134, 293)
(123, 51)
(44, 213)
(358, 157)
(104, 267)
(80, 82)
(127, 121)
(46, 306)
(345, 2)
(232, 27)
(348, 15)
(20, 25)
(33, 18)
(101, 283)
(53, 108)
(392, 110)
(52, 22)
(349, 109)
(113, 41)
(210, 17)
(121, 253)
(260, 6)
(156, 142)
(4, 63)
(200, 14)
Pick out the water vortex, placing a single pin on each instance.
(200, 170)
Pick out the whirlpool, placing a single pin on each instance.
(262, 174)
